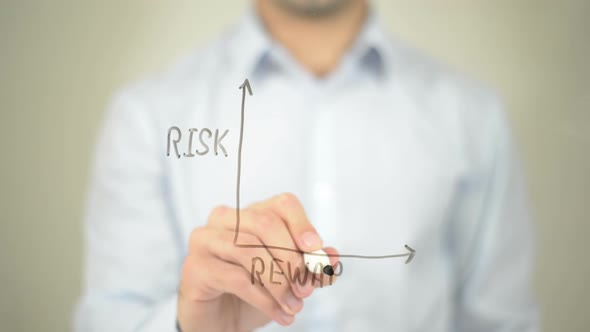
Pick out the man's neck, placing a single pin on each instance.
(317, 43)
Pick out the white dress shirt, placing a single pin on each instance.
(390, 149)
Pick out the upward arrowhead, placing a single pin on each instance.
(247, 85)
(411, 255)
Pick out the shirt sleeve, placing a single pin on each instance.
(492, 238)
(132, 258)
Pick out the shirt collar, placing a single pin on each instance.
(251, 47)
(372, 48)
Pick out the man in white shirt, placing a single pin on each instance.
(347, 134)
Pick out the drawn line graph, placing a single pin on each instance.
(246, 86)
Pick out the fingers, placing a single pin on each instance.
(249, 258)
(289, 208)
(281, 228)
(233, 279)
(268, 273)
(272, 231)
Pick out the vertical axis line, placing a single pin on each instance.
(243, 87)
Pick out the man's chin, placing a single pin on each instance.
(313, 8)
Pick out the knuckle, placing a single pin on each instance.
(196, 236)
(271, 228)
(248, 215)
(224, 236)
(200, 237)
(251, 238)
(188, 266)
(288, 198)
(265, 221)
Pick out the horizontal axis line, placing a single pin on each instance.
(319, 254)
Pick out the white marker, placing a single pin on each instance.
(312, 260)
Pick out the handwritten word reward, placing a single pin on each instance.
(292, 275)
(175, 135)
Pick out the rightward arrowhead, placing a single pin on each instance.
(411, 255)
(247, 85)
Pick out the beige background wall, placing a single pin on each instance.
(61, 60)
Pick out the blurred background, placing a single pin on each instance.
(61, 61)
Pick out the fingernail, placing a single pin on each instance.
(293, 303)
(286, 318)
(311, 240)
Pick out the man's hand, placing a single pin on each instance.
(216, 293)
